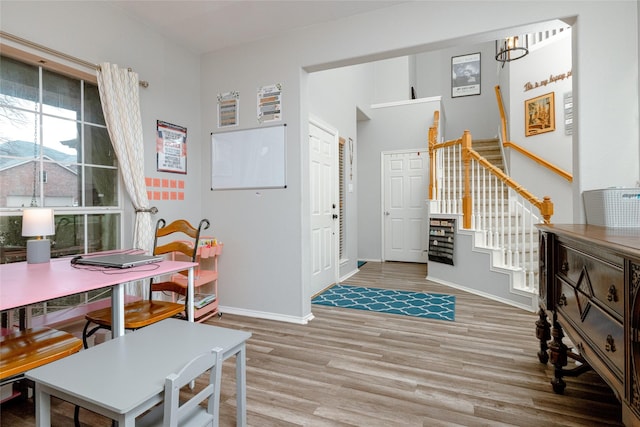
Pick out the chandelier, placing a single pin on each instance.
(512, 48)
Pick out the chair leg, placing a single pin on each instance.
(76, 416)
(86, 334)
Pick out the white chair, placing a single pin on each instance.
(190, 413)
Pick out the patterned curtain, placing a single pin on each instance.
(119, 94)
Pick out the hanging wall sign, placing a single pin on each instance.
(171, 148)
(228, 107)
(270, 103)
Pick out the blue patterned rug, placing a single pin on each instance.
(430, 306)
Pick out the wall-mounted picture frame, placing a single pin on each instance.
(465, 75)
(539, 115)
(171, 147)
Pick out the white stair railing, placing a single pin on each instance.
(503, 220)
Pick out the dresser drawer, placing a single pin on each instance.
(603, 279)
(598, 330)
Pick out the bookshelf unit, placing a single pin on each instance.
(206, 279)
(441, 239)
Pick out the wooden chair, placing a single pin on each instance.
(139, 314)
(30, 348)
(190, 413)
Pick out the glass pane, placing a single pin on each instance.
(69, 237)
(103, 232)
(100, 187)
(61, 184)
(19, 160)
(60, 95)
(18, 125)
(92, 105)
(18, 81)
(61, 139)
(12, 244)
(98, 148)
(21, 185)
(21, 128)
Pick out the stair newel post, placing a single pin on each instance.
(546, 210)
(432, 162)
(466, 197)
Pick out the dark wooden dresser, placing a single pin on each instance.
(589, 284)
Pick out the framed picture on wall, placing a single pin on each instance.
(465, 75)
(539, 115)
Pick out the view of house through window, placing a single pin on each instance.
(55, 152)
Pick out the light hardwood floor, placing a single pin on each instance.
(356, 368)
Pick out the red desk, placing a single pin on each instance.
(23, 284)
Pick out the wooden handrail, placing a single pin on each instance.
(503, 115)
(544, 205)
(433, 140)
(566, 175)
(510, 144)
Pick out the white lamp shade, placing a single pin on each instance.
(37, 222)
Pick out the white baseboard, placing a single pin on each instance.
(265, 315)
(346, 276)
(532, 308)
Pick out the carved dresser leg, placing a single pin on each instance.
(558, 356)
(543, 333)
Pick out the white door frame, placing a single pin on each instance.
(382, 181)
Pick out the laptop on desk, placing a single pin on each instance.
(116, 260)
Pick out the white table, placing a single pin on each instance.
(124, 377)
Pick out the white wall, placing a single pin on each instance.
(97, 32)
(277, 280)
(391, 128)
(391, 80)
(477, 113)
(551, 57)
(334, 97)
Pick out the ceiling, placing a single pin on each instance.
(208, 25)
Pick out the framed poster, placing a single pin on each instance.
(171, 147)
(539, 115)
(465, 75)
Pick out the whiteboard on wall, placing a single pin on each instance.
(249, 158)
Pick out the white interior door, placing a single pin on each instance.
(323, 144)
(405, 206)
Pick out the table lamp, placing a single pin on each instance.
(38, 222)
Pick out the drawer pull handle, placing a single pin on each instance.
(565, 267)
(562, 301)
(611, 345)
(612, 296)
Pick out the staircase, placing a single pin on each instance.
(501, 220)
(490, 149)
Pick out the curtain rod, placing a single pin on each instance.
(59, 54)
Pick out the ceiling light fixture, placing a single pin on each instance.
(512, 48)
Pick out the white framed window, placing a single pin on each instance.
(55, 152)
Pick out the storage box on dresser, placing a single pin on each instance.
(589, 281)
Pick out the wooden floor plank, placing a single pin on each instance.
(357, 368)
